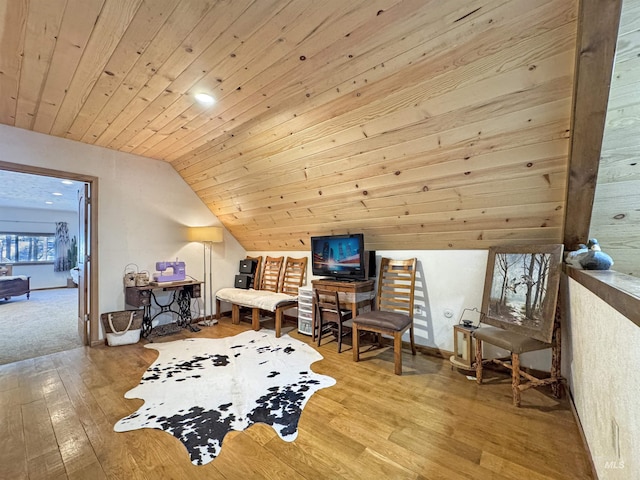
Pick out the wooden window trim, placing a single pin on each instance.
(620, 291)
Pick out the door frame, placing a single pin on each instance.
(94, 325)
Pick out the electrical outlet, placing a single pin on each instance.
(448, 313)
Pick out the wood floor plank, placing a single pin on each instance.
(260, 433)
(306, 464)
(93, 471)
(44, 460)
(74, 445)
(13, 460)
(510, 469)
(431, 445)
(256, 463)
(57, 414)
(8, 378)
(38, 432)
(381, 448)
(48, 466)
(381, 465)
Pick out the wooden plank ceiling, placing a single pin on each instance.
(423, 124)
(616, 214)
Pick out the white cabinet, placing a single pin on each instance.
(305, 310)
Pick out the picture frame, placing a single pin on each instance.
(521, 289)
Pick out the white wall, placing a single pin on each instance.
(27, 220)
(144, 208)
(602, 356)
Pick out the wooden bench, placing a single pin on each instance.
(277, 291)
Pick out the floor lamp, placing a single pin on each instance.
(207, 236)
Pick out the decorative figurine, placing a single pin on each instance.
(589, 257)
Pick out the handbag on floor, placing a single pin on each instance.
(122, 327)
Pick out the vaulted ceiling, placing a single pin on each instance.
(423, 124)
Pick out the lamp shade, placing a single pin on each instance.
(204, 234)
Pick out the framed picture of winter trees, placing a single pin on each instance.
(521, 289)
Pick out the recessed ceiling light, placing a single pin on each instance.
(57, 194)
(49, 202)
(67, 182)
(204, 99)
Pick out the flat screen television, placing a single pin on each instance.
(338, 256)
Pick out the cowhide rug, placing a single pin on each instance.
(199, 389)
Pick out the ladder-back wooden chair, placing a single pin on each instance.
(394, 313)
(332, 318)
(271, 272)
(293, 276)
(291, 279)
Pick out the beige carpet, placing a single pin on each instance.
(45, 323)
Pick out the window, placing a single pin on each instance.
(27, 247)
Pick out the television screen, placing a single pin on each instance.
(338, 256)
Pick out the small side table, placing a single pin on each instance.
(464, 347)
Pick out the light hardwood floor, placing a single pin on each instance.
(57, 414)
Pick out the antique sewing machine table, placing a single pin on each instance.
(179, 302)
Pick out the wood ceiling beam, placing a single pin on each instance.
(598, 22)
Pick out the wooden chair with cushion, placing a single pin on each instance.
(394, 313)
(331, 317)
(517, 344)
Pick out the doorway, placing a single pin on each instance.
(88, 318)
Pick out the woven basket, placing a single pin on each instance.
(122, 327)
(130, 272)
(142, 279)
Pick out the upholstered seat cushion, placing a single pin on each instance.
(513, 342)
(262, 299)
(392, 321)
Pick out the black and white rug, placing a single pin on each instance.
(200, 389)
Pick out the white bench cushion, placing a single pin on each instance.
(262, 299)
